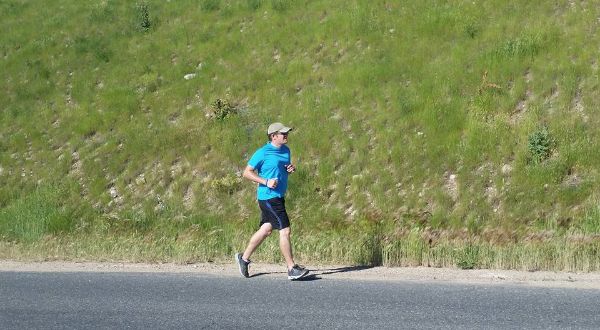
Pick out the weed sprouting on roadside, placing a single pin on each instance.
(468, 257)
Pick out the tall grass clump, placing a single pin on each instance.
(31, 217)
(590, 223)
(521, 46)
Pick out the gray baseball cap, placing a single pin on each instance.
(278, 127)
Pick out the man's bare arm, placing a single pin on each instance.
(251, 175)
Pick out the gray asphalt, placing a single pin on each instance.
(197, 301)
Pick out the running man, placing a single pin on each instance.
(270, 166)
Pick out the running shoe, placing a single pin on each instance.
(242, 264)
(297, 272)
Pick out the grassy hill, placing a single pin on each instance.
(438, 133)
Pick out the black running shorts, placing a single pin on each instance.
(273, 212)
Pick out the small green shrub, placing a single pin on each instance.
(210, 5)
(143, 17)
(13, 8)
(221, 109)
(93, 45)
(280, 5)
(539, 145)
(227, 184)
(140, 221)
(471, 29)
(102, 14)
(254, 4)
(365, 19)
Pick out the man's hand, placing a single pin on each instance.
(290, 168)
(272, 183)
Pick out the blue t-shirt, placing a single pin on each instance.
(269, 162)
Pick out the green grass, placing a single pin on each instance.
(36, 215)
(103, 140)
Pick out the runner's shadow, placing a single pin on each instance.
(314, 272)
(261, 274)
(309, 277)
(342, 269)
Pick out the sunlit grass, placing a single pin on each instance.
(389, 101)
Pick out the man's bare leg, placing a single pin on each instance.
(286, 247)
(263, 232)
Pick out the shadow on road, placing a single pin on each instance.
(314, 272)
(309, 277)
(342, 269)
(269, 273)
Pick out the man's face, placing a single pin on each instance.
(280, 138)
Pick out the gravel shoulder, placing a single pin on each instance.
(413, 274)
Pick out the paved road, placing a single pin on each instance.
(195, 301)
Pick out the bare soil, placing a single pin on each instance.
(412, 274)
